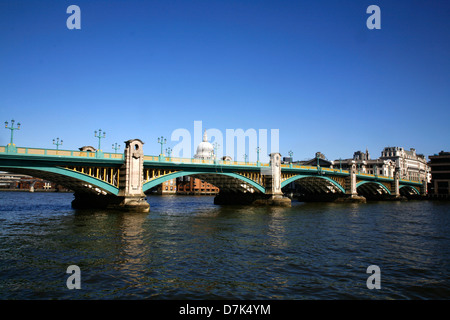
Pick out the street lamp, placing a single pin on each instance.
(162, 141)
(169, 151)
(116, 147)
(216, 146)
(99, 136)
(245, 158)
(57, 143)
(319, 170)
(258, 149)
(290, 154)
(12, 129)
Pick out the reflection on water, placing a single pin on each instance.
(188, 248)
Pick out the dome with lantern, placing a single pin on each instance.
(205, 150)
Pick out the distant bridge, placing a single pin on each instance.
(121, 180)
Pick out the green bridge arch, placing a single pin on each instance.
(374, 182)
(153, 183)
(42, 172)
(294, 178)
(414, 188)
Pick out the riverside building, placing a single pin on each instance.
(440, 174)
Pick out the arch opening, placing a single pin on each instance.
(312, 188)
(226, 182)
(72, 180)
(408, 191)
(372, 190)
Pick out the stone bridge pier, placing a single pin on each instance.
(351, 194)
(395, 190)
(131, 179)
(272, 182)
(130, 196)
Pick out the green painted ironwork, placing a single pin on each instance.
(99, 136)
(116, 147)
(12, 129)
(57, 143)
(71, 174)
(162, 141)
(156, 181)
(414, 188)
(375, 182)
(294, 178)
(39, 159)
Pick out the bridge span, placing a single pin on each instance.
(121, 181)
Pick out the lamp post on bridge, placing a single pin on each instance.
(99, 153)
(57, 143)
(290, 156)
(11, 147)
(169, 151)
(245, 158)
(319, 171)
(161, 141)
(216, 146)
(258, 150)
(99, 136)
(116, 147)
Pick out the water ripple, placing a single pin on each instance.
(188, 248)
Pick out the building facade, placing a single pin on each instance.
(412, 166)
(190, 185)
(187, 186)
(167, 187)
(194, 186)
(364, 164)
(15, 181)
(440, 173)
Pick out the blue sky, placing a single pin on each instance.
(312, 69)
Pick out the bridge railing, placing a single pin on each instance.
(203, 161)
(108, 155)
(314, 168)
(62, 153)
(411, 181)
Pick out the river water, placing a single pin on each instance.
(189, 248)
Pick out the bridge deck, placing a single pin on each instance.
(115, 160)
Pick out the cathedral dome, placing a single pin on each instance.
(205, 150)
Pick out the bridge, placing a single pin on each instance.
(121, 181)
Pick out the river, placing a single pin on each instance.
(189, 248)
